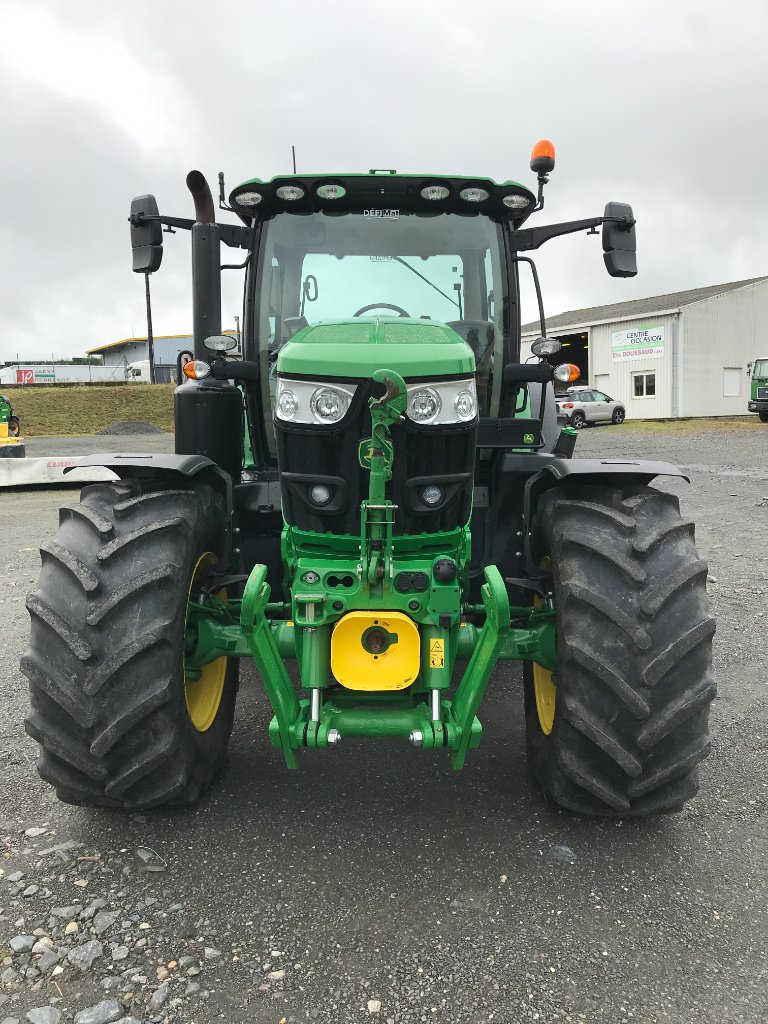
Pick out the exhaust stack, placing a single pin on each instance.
(206, 271)
(205, 212)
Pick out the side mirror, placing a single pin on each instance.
(146, 236)
(619, 241)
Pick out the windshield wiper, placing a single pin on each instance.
(413, 270)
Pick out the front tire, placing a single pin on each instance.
(634, 679)
(618, 416)
(115, 718)
(763, 417)
(578, 420)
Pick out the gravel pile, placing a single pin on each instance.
(131, 427)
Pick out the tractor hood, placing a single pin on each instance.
(359, 347)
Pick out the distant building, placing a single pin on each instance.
(680, 354)
(131, 350)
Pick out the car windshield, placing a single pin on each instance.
(383, 263)
(760, 369)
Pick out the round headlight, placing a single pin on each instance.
(464, 405)
(331, 191)
(432, 495)
(516, 202)
(249, 198)
(287, 404)
(290, 192)
(320, 495)
(473, 195)
(328, 404)
(435, 192)
(423, 405)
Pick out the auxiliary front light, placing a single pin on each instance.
(473, 195)
(320, 495)
(424, 405)
(516, 202)
(328, 404)
(432, 495)
(331, 191)
(435, 192)
(249, 198)
(546, 346)
(286, 404)
(290, 192)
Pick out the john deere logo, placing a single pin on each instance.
(528, 438)
(365, 452)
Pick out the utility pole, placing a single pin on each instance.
(150, 339)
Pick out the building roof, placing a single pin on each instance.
(637, 307)
(140, 341)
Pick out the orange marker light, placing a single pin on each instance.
(543, 157)
(196, 369)
(573, 371)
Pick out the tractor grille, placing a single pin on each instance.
(309, 454)
(762, 392)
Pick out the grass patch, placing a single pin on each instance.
(72, 411)
(696, 426)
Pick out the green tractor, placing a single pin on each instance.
(380, 493)
(12, 426)
(758, 396)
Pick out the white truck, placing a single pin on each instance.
(138, 372)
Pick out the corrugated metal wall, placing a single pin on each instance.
(703, 371)
(719, 336)
(617, 377)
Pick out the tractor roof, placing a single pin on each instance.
(382, 191)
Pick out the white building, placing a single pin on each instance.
(682, 354)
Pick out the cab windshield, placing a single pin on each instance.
(383, 263)
(760, 369)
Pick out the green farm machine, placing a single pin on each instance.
(758, 395)
(379, 493)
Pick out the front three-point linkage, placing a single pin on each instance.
(377, 512)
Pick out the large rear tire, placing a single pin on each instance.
(621, 726)
(117, 722)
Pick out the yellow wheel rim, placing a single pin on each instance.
(543, 684)
(203, 695)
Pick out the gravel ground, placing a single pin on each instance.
(374, 883)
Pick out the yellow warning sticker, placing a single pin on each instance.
(437, 653)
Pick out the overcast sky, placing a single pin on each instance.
(659, 103)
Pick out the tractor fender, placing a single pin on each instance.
(552, 471)
(140, 466)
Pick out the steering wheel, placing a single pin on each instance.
(381, 305)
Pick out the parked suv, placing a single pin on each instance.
(584, 405)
